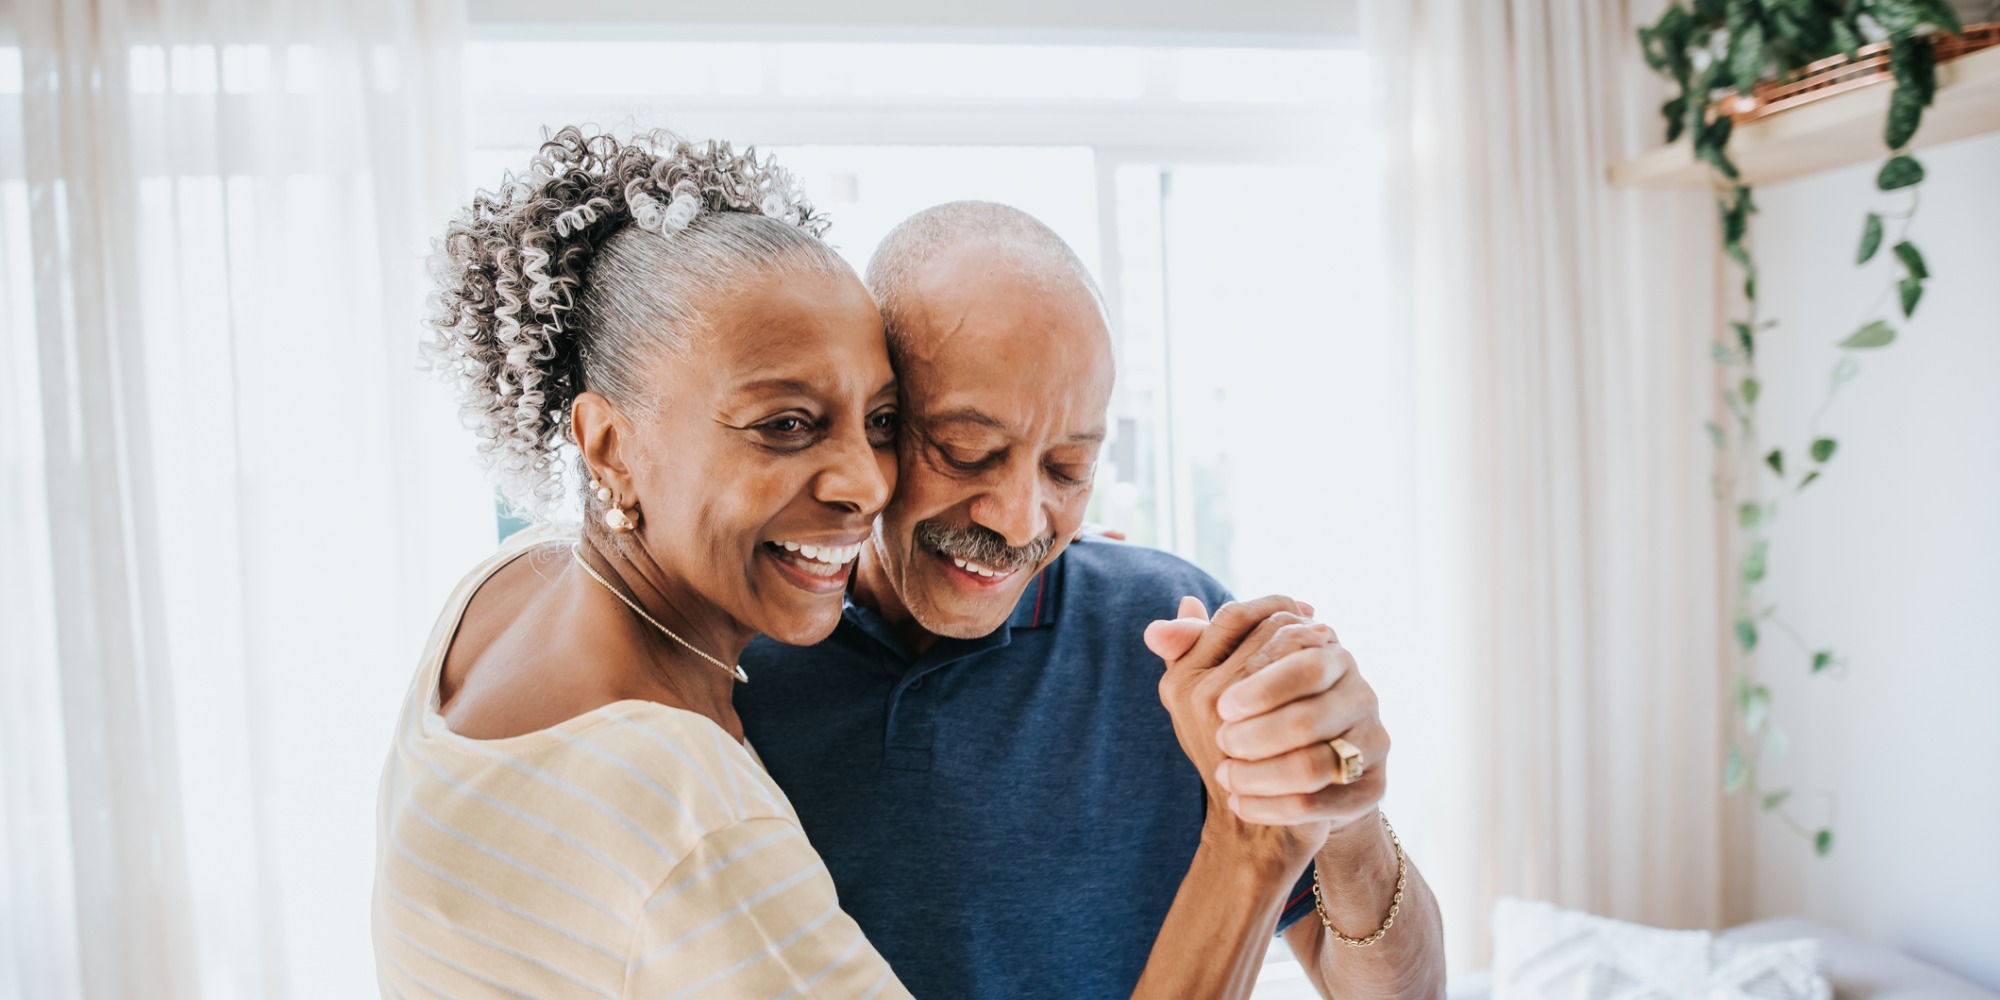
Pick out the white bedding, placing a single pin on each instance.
(1859, 969)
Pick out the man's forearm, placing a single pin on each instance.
(1219, 927)
(1357, 871)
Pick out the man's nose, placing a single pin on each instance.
(1013, 508)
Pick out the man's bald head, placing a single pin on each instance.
(1003, 355)
(1004, 239)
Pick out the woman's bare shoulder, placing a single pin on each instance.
(525, 657)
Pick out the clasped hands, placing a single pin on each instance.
(1256, 694)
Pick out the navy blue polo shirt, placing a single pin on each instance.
(1008, 816)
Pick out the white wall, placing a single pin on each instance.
(1893, 559)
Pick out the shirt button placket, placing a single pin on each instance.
(912, 729)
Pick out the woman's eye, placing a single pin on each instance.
(788, 431)
(882, 427)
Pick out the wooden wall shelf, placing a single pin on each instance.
(1833, 132)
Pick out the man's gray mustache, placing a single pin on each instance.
(984, 546)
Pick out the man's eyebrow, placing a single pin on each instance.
(1087, 437)
(967, 415)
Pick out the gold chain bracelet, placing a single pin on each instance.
(1395, 902)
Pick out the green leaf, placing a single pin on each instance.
(1912, 291)
(1675, 112)
(1808, 480)
(1900, 172)
(1876, 334)
(1750, 286)
(1756, 709)
(1912, 260)
(1915, 63)
(1735, 221)
(1745, 338)
(1721, 354)
(1715, 433)
(1776, 799)
(1823, 842)
(1823, 448)
(1751, 388)
(1753, 564)
(1776, 460)
(1943, 17)
(1775, 743)
(1749, 514)
(1845, 370)
(1871, 238)
(1711, 140)
(1822, 660)
(1845, 38)
(1735, 773)
(1746, 634)
(1746, 55)
(1906, 113)
(1904, 18)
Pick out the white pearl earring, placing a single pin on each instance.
(614, 518)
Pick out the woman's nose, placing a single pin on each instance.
(853, 477)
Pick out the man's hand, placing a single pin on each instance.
(1287, 688)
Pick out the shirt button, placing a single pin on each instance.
(916, 684)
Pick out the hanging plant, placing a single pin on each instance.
(1718, 53)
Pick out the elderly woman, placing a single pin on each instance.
(570, 809)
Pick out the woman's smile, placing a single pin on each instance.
(820, 566)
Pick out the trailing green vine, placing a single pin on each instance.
(1711, 50)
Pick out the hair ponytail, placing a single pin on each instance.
(517, 323)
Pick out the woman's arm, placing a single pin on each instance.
(1221, 923)
(1358, 878)
(1227, 909)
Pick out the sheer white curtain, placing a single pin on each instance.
(1559, 330)
(229, 502)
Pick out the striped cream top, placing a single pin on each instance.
(633, 851)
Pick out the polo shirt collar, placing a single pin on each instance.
(1040, 601)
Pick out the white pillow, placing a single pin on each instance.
(1541, 952)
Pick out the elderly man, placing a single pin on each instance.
(980, 751)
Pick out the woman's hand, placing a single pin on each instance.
(1204, 658)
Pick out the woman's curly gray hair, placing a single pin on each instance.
(574, 276)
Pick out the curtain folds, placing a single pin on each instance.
(1569, 531)
(220, 467)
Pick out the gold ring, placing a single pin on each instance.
(1348, 758)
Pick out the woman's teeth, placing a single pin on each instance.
(973, 567)
(820, 560)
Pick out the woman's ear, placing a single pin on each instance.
(600, 436)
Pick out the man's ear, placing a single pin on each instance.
(600, 436)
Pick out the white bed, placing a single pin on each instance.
(1859, 969)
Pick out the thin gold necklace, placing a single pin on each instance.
(576, 552)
